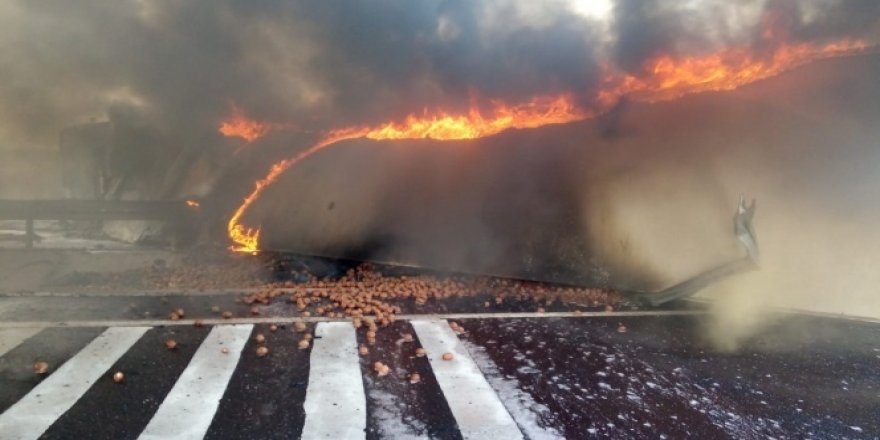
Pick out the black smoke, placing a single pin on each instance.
(319, 64)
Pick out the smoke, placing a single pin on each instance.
(643, 207)
(327, 64)
(803, 144)
(175, 67)
(641, 197)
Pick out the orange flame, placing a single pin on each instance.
(535, 113)
(443, 126)
(664, 77)
(239, 125)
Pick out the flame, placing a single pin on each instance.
(443, 126)
(239, 125)
(664, 77)
(247, 239)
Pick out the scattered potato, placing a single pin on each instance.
(381, 369)
(41, 367)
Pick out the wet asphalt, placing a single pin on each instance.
(663, 377)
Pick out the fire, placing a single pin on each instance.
(248, 239)
(239, 125)
(664, 77)
(442, 126)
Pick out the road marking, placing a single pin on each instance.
(13, 337)
(335, 405)
(475, 405)
(291, 319)
(189, 407)
(35, 412)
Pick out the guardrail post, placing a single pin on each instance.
(29, 233)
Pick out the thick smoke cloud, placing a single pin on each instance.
(165, 72)
(644, 29)
(315, 65)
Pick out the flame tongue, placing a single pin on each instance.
(538, 112)
(239, 125)
(535, 113)
(663, 78)
(668, 78)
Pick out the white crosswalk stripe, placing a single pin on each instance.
(474, 404)
(335, 403)
(13, 337)
(189, 407)
(35, 412)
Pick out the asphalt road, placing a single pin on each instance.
(534, 377)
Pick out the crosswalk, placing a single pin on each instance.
(34, 413)
(476, 407)
(187, 411)
(11, 337)
(335, 403)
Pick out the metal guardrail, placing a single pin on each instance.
(172, 211)
(745, 233)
